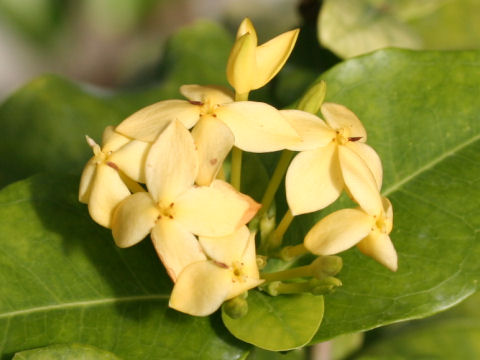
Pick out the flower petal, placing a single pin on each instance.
(133, 219)
(147, 123)
(249, 258)
(217, 210)
(172, 164)
(241, 63)
(313, 131)
(371, 158)
(338, 231)
(176, 246)
(111, 140)
(338, 116)
(257, 127)
(226, 249)
(86, 181)
(212, 94)
(131, 158)
(379, 246)
(214, 141)
(246, 26)
(201, 289)
(313, 180)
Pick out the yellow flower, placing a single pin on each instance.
(333, 156)
(174, 209)
(250, 66)
(203, 286)
(348, 227)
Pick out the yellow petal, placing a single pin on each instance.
(246, 26)
(226, 249)
(338, 231)
(86, 181)
(271, 56)
(313, 180)
(338, 117)
(217, 210)
(371, 158)
(257, 127)
(200, 289)
(379, 246)
(203, 94)
(360, 181)
(130, 158)
(111, 140)
(388, 214)
(313, 131)
(147, 123)
(175, 246)
(133, 219)
(241, 63)
(107, 191)
(172, 164)
(214, 141)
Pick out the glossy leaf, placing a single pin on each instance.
(65, 352)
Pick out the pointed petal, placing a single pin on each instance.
(370, 157)
(379, 246)
(241, 63)
(360, 181)
(176, 246)
(338, 116)
(246, 27)
(313, 180)
(388, 213)
(313, 131)
(107, 191)
(133, 219)
(203, 94)
(214, 141)
(257, 127)
(239, 287)
(146, 124)
(338, 231)
(272, 55)
(131, 158)
(200, 289)
(111, 140)
(172, 164)
(226, 249)
(86, 181)
(249, 258)
(217, 210)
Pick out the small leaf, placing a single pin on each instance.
(65, 352)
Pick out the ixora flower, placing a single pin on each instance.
(230, 270)
(333, 156)
(173, 209)
(220, 124)
(107, 176)
(250, 66)
(348, 227)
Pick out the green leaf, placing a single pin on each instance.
(260, 354)
(277, 323)
(422, 116)
(65, 352)
(64, 281)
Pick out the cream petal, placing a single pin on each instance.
(370, 157)
(131, 158)
(111, 140)
(147, 123)
(107, 191)
(217, 210)
(212, 94)
(226, 249)
(175, 246)
(360, 181)
(201, 289)
(241, 63)
(214, 141)
(86, 181)
(338, 116)
(257, 127)
(133, 219)
(172, 164)
(313, 180)
(249, 258)
(313, 131)
(239, 287)
(271, 56)
(338, 231)
(379, 246)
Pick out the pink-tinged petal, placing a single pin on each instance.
(201, 289)
(111, 140)
(172, 164)
(133, 219)
(257, 127)
(338, 231)
(86, 181)
(226, 249)
(203, 94)
(313, 131)
(241, 63)
(379, 246)
(360, 181)
(175, 246)
(131, 158)
(146, 124)
(216, 210)
(271, 56)
(313, 180)
(107, 191)
(370, 157)
(214, 141)
(338, 117)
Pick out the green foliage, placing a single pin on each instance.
(65, 352)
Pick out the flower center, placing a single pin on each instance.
(343, 135)
(383, 224)
(238, 271)
(167, 211)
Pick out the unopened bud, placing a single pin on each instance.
(313, 98)
(326, 266)
(236, 307)
(325, 286)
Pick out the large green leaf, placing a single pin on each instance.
(65, 352)
(63, 280)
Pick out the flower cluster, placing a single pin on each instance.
(160, 173)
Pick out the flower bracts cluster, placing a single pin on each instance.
(159, 173)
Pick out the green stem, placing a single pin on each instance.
(290, 252)
(241, 97)
(277, 236)
(301, 271)
(236, 175)
(279, 288)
